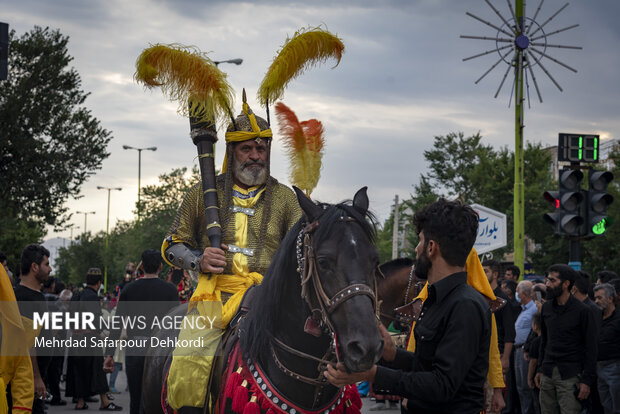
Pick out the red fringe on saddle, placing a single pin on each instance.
(250, 396)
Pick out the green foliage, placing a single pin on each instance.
(461, 167)
(43, 124)
(127, 240)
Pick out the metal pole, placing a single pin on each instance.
(395, 230)
(139, 174)
(107, 236)
(519, 214)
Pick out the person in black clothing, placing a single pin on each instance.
(505, 331)
(503, 317)
(447, 371)
(608, 361)
(616, 285)
(581, 291)
(162, 297)
(86, 374)
(532, 347)
(568, 349)
(512, 272)
(35, 270)
(606, 276)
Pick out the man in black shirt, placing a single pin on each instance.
(608, 361)
(162, 297)
(447, 371)
(568, 349)
(35, 268)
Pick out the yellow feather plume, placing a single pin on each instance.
(188, 76)
(303, 143)
(306, 48)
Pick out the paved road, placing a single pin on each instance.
(122, 399)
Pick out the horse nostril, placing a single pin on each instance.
(356, 350)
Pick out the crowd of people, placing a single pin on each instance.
(33, 381)
(564, 357)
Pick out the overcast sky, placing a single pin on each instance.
(401, 82)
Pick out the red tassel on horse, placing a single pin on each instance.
(265, 405)
(270, 411)
(354, 396)
(252, 407)
(233, 382)
(350, 407)
(240, 398)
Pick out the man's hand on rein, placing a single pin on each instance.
(213, 259)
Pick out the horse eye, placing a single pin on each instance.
(323, 263)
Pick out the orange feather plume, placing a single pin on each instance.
(303, 143)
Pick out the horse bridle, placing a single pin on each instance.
(417, 287)
(306, 267)
(308, 271)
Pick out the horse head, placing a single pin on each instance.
(338, 276)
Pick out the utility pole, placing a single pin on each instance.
(86, 213)
(395, 229)
(107, 236)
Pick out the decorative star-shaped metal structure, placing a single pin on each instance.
(522, 43)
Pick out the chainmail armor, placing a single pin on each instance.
(275, 213)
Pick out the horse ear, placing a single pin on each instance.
(360, 200)
(311, 210)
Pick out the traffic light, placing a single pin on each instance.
(598, 202)
(570, 218)
(553, 197)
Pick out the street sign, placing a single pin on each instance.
(491, 229)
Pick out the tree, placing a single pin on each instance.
(128, 239)
(461, 167)
(43, 126)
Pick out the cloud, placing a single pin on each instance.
(402, 81)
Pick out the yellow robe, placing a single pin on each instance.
(477, 279)
(15, 364)
(190, 368)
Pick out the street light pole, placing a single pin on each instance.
(86, 213)
(71, 237)
(107, 236)
(128, 147)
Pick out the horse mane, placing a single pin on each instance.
(395, 264)
(283, 281)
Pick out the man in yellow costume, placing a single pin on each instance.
(255, 214)
(15, 363)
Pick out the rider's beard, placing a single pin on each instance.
(250, 173)
(422, 266)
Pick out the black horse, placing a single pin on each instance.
(316, 305)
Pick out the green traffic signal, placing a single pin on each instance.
(598, 202)
(600, 227)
